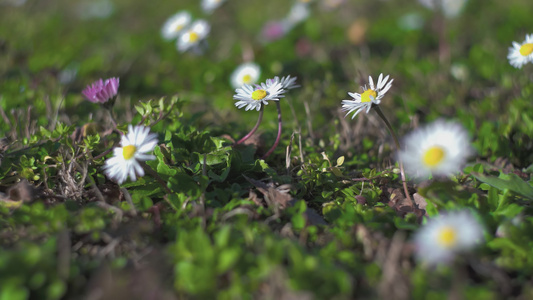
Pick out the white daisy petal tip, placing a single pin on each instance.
(208, 6)
(287, 82)
(125, 161)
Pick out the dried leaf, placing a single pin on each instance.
(279, 198)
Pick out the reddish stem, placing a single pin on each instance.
(253, 129)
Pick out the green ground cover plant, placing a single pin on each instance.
(130, 166)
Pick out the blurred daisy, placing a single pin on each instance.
(125, 161)
(247, 73)
(450, 8)
(95, 9)
(252, 97)
(299, 12)
(521, 54)
(209, 6)
(447, 235)
(371, 95)
(440, 148)
(101, 91)
(193, 36)
(175, 25)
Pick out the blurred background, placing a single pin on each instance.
(447, 61)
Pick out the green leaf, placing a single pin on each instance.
(508, 181)
(510, 211)
(13, 292)
(221, 177)
(227, 258)
(493, 198)
(182, 183)
(502, 243)
(215, 157)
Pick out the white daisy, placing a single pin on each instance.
(253, 97)
(521, 54)
(440, 148)
(135, 146)
(447, 235)
(247, 73)
(371, 95)
(191, 37)
(175, 25)
(209, 6)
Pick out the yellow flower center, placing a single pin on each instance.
(128, 151)
(247, 78)
(368, 95)
(193, 36)
(434, 156)
(259, 94)
(526, 49)
(447, 237)
(178, 27)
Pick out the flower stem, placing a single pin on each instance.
(279, 132)
(110, 112)
(253, 129)
(397, 142)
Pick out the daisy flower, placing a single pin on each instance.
(247, 73)
(447, 235)
(521, 54)
(191, 37)
(175, 25)
(125, 161)
(371, 95)
(208, 6)
(252, 97)
(440, 148)
(101, 91)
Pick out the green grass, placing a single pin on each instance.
(223, 226)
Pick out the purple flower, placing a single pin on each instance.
(274, 30)
(100, 91)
